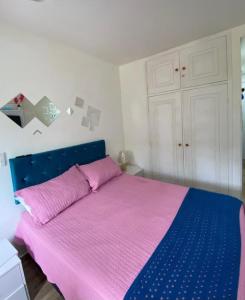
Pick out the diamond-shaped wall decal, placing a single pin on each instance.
(79, 102)
(69, 111)
(85, 122)
(92, 119)
(46, 111)
(20, 110)
(93, 115)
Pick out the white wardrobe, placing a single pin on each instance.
(188, 113)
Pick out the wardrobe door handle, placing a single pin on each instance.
(187, 145)
(184, 68)
(179, 144)
(176, 69)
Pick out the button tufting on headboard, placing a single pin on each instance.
(33, 169)
(25, 179)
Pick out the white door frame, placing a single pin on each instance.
(236, 128)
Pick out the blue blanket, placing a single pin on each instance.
(199, 257)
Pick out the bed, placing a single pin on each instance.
(128, 239)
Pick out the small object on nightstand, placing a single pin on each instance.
(12, 279)
(123, 160)
(134, 170)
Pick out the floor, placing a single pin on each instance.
(38, 286)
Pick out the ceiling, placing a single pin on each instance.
(121, 31)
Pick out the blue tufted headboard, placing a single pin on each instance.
(33, 169)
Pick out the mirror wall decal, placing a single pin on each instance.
(92, 119)
(20, 110)
(69, 111)
(46, 111)
(85, 122)
(79, 102)
(94, 116)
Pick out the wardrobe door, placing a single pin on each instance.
(163, 73)
(204, 63)
(166, 137)
(205, 137)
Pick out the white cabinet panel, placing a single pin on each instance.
(204, 63)
(10, 282)
(205, 129)
(166, 137)
(189, 123)
(163, 73)
(19, 295)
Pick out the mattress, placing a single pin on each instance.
(95, 249)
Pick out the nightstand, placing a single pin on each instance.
(134, 170)
(12, 279)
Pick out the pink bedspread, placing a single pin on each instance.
(95, 249)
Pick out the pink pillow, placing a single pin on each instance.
(100, 171)
(48, 199)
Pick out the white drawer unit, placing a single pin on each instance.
(12, 280)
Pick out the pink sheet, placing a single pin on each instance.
(95, 249)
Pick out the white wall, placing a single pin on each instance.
(243, 132)
(135, 111)
(38, 67)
